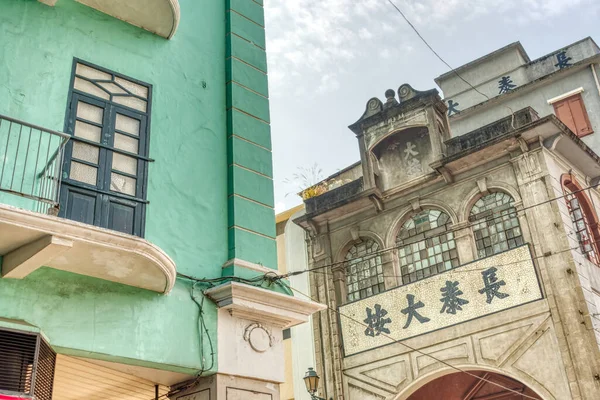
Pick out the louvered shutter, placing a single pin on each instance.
(26, 365)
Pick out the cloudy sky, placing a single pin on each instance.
(328, 57)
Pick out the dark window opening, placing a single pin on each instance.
(583, 217)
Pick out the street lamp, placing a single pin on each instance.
(311, 380)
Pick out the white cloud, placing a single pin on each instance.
(364, 33)
(316, 37)
(313, 38)
(385, 53)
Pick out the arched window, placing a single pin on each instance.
(495, 224)
(584, 219)
(426, 246)
(364, 270)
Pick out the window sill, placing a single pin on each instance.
(580, 135)
(30, 240)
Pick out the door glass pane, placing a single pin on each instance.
(111, 87)
(127, 124)
(83, 173)
(92, 73)
(87, 131)
(126, 143)
(132, 102)
(124, 163)
(90, 112)
(123, 184)
(89, 87)
(85, 152)
(134, 88)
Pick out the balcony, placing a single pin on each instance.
(157, 16)
(32, 236)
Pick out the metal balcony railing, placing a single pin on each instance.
(30, 165)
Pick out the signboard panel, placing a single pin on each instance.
(473, 290)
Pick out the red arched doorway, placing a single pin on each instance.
(461, 386)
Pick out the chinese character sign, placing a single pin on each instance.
(456, 296)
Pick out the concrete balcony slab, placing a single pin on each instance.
(30, 240)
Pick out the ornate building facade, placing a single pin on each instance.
(457, 267)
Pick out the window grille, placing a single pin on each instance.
(364, 270)
(495, 224)
(581, 223)
(426, 246)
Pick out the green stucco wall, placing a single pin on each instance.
(251, 217)
(90, 317)
(187, 188)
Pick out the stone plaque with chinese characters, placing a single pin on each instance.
(473, 290)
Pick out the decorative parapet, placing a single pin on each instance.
(333, 197)
(488, 134)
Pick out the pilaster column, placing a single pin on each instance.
(251, 219)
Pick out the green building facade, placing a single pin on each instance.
(136, 240)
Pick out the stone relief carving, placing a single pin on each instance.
(376, 132)
(259, 337)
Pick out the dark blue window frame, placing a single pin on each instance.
(100, 204)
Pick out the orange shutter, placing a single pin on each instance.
(582, 123)
(571, 111)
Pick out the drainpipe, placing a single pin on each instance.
(592, 66)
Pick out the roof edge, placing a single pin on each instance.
(483, 58)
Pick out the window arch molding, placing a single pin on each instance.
(408, 212)
(498, 226)
(427, 246)
(397, 131)
(474, 195)
(342, 280)
(569, 182)
(341, 253)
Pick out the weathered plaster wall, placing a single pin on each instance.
(187, 214)
(587, 273)
(486, 75)
(556, 329)
(538, 100)
(90, 317)
(480, 75)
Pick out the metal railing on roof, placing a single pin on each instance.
(30, 165)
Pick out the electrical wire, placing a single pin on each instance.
(433, 51)
(413, 348)
(470, 224)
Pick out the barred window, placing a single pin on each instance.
(426, 246)
(495, 224)
(364, 270)
(583, 219)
